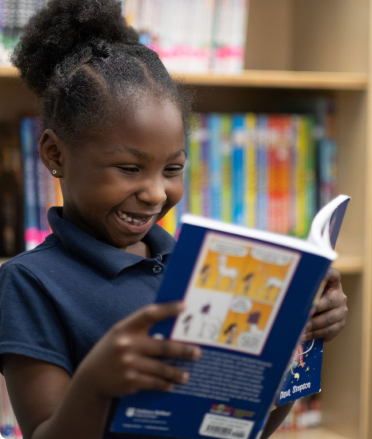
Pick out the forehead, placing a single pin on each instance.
(150, 124)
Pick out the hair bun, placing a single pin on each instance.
(60, 29)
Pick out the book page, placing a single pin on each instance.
(235, 292)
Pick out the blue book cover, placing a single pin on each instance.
(40, 180)
(215, 165)
(238, 182)
(30, 187)
(303, 375)
(262, 163)
(247, 296)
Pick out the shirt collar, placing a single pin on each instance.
(104, 257)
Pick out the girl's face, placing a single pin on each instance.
(120, 183)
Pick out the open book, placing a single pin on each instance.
(248, 294)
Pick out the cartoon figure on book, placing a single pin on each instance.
(76, 311)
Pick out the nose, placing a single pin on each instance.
(153, 192)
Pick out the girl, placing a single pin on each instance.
(75, 312)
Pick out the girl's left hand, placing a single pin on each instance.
(329, 315)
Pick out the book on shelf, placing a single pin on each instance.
(41, 190)
(247, 295)
(257, 170)
(213, 40)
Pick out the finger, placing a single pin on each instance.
(327, 333)
(142, 381)
(326, 319)
(333, 298)
(146, 317)
(162, 370)
(333, 276)
(168, 348)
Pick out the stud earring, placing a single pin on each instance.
(54, 172)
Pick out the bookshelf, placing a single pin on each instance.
(264, 78)
(305, 48)
(316, 433)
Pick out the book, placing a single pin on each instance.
(247, 296)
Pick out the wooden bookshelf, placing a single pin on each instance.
(313, 433)
(281, 79)
(299, 48)
(263, 79)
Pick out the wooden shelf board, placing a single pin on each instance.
(263, 78)
(280, 79)
(312, 433)
(349, 264)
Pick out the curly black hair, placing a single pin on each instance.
(83, 60)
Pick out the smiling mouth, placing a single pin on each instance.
(135, 219)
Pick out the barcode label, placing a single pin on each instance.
(221, 431)
(225, 427)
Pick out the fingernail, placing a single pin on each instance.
(185, 377)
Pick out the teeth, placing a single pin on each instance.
(129, 219)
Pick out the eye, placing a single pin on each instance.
(173, 170)
(129, 169)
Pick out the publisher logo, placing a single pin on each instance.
(221, 409)
(130, 412)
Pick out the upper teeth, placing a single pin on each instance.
(128, 218)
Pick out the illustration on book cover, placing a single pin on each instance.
(235, 292)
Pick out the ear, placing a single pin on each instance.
(51, 151)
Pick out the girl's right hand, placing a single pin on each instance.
(125, 360)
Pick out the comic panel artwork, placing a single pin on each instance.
(234, 294)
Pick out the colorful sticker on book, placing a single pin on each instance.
(235, 292)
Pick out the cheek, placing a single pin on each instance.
(175, 191)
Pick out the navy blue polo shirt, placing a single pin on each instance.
(59, 299)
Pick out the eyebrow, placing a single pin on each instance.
(140, 154)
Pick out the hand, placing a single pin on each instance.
(124, 360)
(329, 315)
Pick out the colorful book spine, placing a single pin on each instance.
(273, 173)
(262, 139)
(238, 153)
(41, 184)
(285, 156)
(215, 161)
(226, 168)
(250, 171)
(195, 164)
(300, 182)
(205, 164)
(30, 187)
(310, 176)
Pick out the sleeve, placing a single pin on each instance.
(29, 323)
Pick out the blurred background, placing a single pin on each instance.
(281, 125)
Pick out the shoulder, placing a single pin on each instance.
(32, 262)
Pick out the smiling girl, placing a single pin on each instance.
(75, 312)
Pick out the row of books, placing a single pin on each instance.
(41, 190)
(14, 15)
(192, 35)
(9, 427)
(266, 171)
(306, 413)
